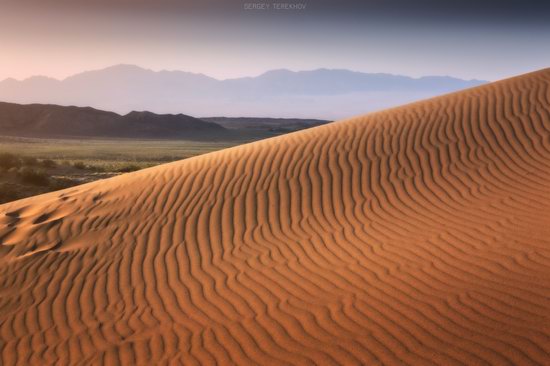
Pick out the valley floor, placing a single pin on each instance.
(31, 166)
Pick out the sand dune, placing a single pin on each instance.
(418, 235)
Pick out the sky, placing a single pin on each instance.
(486, 40)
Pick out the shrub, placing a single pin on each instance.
(8, 161)
(33, 176)
(48, 163)
(30, 161)
(95, 168)
(128, 168)
(8, 193)
(79, 165)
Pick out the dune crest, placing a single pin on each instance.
(417, 235)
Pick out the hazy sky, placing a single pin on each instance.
(469, 39)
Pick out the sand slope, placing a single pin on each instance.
(418, 235)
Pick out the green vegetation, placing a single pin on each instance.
(79, 165)
(128, 168)
(31, 166)
(33, 176)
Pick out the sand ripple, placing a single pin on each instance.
(418, 235)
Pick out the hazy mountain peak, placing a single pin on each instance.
(38, 79)
(278, 72)
(321, 93)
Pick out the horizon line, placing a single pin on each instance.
(239, 77)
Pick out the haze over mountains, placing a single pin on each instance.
(322, 93)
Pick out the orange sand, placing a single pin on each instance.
(417, 235)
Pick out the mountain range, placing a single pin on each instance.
(54, 121)
(322, 93)
(38, 120)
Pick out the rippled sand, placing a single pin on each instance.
(417, 235)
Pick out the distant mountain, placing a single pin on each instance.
(324, 94)
(335, 82)
(38, 120)
(276, 125)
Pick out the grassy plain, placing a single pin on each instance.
(34, 166)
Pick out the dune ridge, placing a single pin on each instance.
(417, 235)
